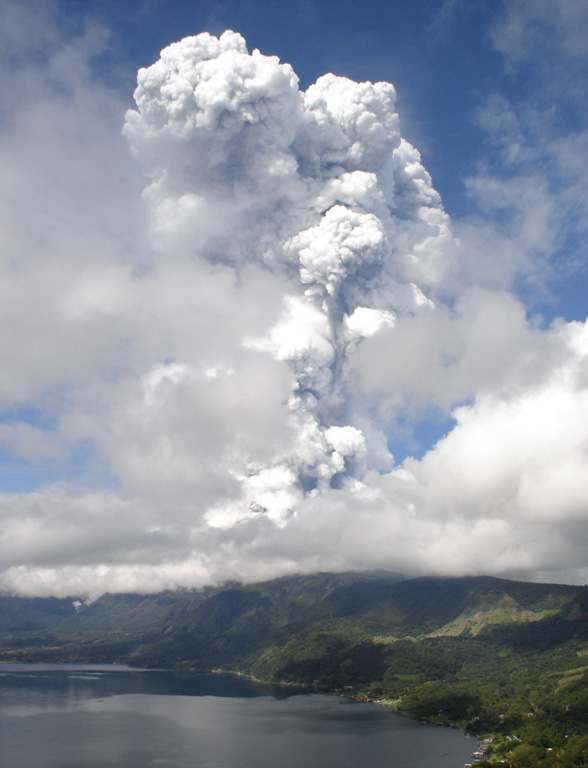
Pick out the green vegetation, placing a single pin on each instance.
(499, 658)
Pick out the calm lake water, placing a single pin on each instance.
(115, 717)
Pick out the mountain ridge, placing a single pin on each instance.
(236, 619)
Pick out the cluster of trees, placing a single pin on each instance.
(534, 705)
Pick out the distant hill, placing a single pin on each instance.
(490, 654)
(247, 624)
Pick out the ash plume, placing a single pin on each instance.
(314, 190)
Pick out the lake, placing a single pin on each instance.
(59, 716)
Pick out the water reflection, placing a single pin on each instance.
(122, 718)
(68, 686)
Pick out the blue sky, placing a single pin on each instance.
(239, 353)
(438, 55)
(453, 63)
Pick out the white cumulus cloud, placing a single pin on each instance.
(227, 356)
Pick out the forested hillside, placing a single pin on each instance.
(494, 656)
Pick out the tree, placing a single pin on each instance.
(524, 756)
